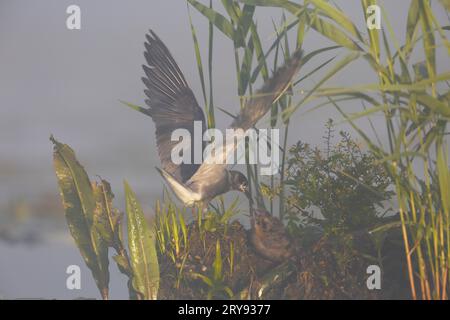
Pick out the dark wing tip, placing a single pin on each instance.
(294, 61)
(151, 36)
(258, 106)
(298, 53)
(161, 67)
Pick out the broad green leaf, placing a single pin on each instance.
(338, 17)
(79, 204)
(219, 21)
(108, 222)
(325, 28)
(106, 217)
(142, 248)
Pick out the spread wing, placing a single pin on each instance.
(172, 104)
(272, 89)
(254, 110)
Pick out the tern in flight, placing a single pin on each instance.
(172, 106)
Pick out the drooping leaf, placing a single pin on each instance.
(106, 217)
(315, 20)
(79, 205)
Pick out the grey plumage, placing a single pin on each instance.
(272, 89)
(173, 106)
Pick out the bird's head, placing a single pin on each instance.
(262, 221)
(239, 182)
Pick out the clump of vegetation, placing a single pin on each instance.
(96, 225)
(335, 201)
(196, 255)
(338, 187)
(345, 185)
(333, 251)
(410, 95)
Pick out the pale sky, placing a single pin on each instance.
(69, 83)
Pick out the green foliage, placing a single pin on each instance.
(95, 224)
(142, 247)
(79, 204)
(347, 184)
(108, 221)
(220, 217)
(342, 182)
(414, 105)
(215, 283)
(171, 230)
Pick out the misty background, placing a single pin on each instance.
(69, 82)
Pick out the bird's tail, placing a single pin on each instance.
(184, 193)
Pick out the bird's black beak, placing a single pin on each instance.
(249, 196)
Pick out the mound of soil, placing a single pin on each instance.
(334, 267)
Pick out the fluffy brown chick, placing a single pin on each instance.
(269, 237)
